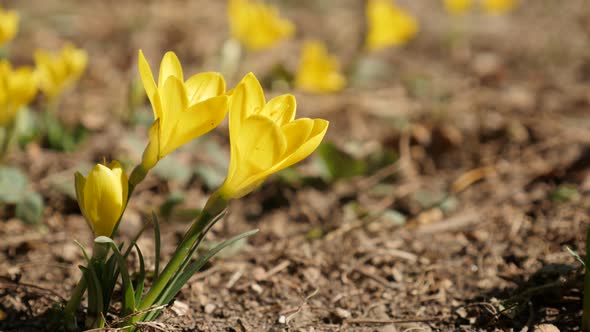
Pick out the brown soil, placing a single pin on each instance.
(466, 231)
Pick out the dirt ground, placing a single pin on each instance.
(475, 137)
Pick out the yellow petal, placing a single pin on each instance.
(255, 148)
(281, 109)
(80, 182)
(120, 174)
(261, 142)
(174, 101)
(170, 66)
(197, 120)
(314, 139)
(103, 199)
(204, 86)
(151, 154)
(245, 99)
(147, 78)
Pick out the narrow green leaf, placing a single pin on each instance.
(83, 251)
(134, 241)
(140, 277)
(128, 293)
(576, 255)
(95, 300)
(193, 268)
(157, 239)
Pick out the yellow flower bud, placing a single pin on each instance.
(183, 110)
(102, 196)
(498, 7)
(457, 7)
(256, 25)
(8, 25)
(265, 137)
(17, 88)
(388, 25)
(57, 72)
(318, 71)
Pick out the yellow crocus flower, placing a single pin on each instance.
(102, 196)
(498, 7)
(318, 71)
(457, 7)
(17, 88)
(183, 110)
(256, 25)
(8, 25)
(264, 137)
(388, 25)
(57, 72)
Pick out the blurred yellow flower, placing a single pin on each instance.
(457, 7)
(256, 25)
(102, 196)
(264, 137)
(498, 7)
(182, 110)
(318, 71)
(57, 72)
(8, 25)
(388, 25)
(17, 88)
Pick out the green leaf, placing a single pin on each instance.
(128, 292)
(157, 239)
(95, 300)
(83, 251)
(30, 208)
(141, 275)
(171, 201)
(175, 286)
(339, 164)
(13, 185)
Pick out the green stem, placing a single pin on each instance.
(215, 205)
(586, 311)
(7, 139)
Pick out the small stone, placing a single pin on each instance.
(546, 328)
(282, 319)
(256, 288)
(179, 308)
(342, 313)
(209, 308)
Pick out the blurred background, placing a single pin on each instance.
(454, 171)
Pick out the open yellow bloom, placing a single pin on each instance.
(457, 7)
(256, 25)
(57, 72)
(318, 71)
(17, 88)
(102, 196)
(8, 25)
(182, 110)
(388, 25)
(265, 137)
(498, 7)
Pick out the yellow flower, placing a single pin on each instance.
(182, 110)
(17, 88)
(57, 72)
(256, 25)
(457, 7)
(102, 196)
(265, 137)
(498, 7)
(318, 71)
(388, 25)
(8, 25)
